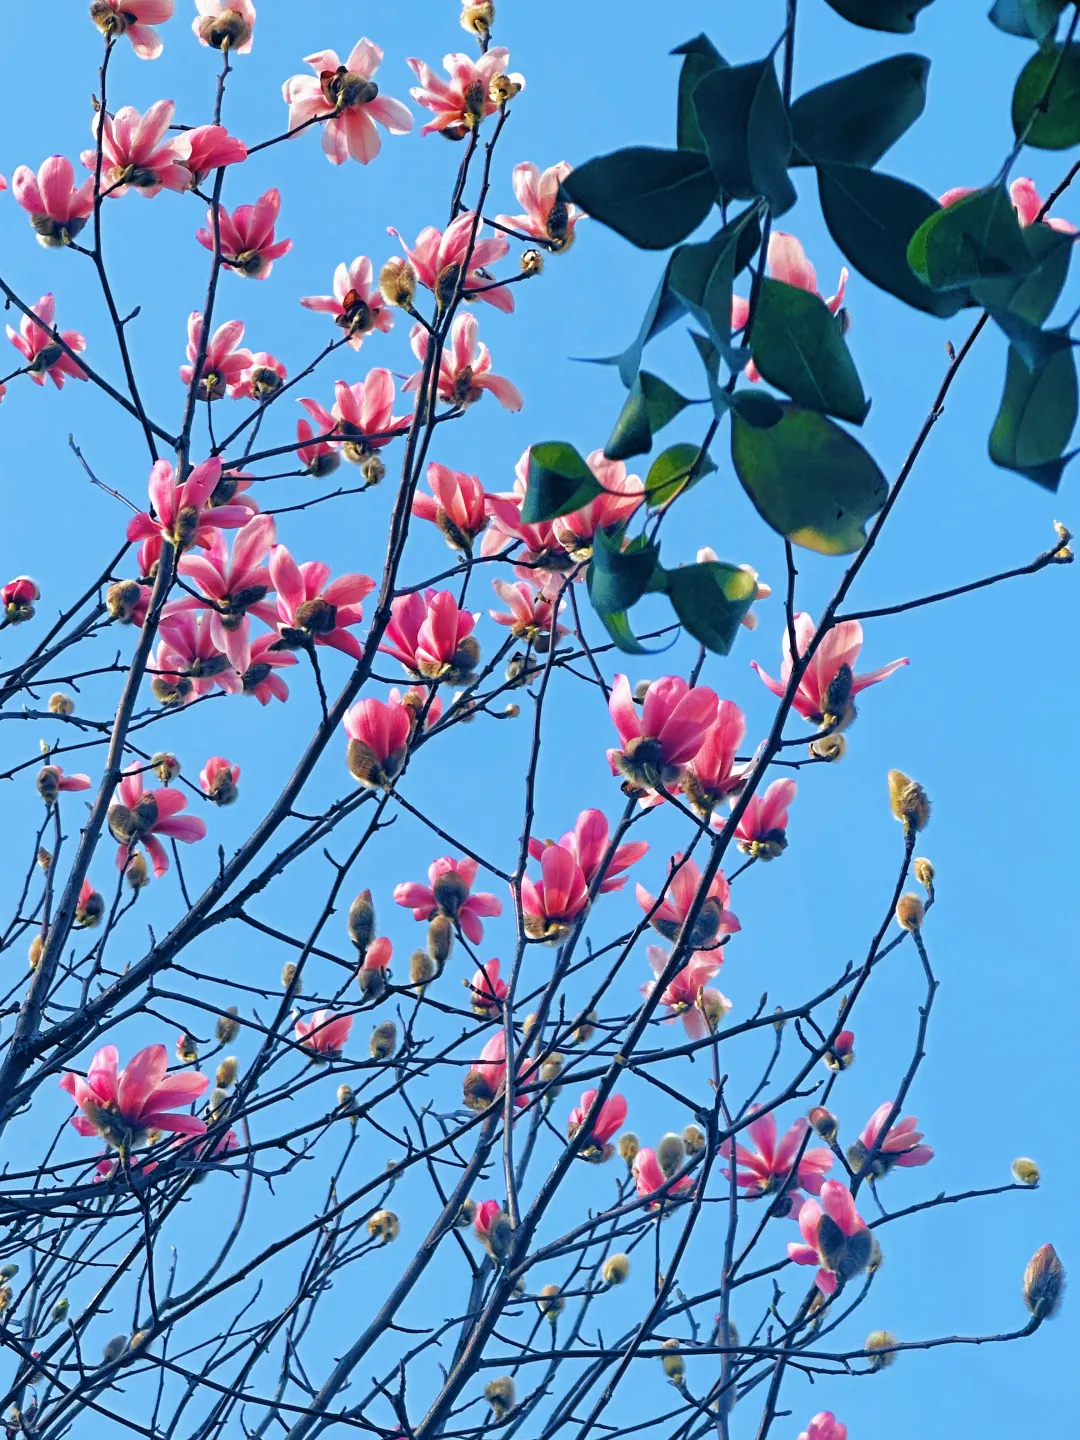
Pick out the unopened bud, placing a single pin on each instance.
(550, 1303)
(422, 969)
(694, 1139)
(362, 921)
(924, 872)
(673, 1363)
(89, 910)
(1025, 1171)
(823, 1123)
(499, 1394)
(910, 912)
(61, 704)
(503, 88)
(165, 766)
(616, 1269)
(122, 601)
(842, 1052)
(226, 1073)
(384, 1226)
(136, 871)
(228, 1026)
(477, 17)
(373, 469)
(383, 1040)
(37, 945)
(44, 858)
(829, 747)
(908, 801)
(8, 1272)
(877, 1342)
(218, 1103)
(186, 1051)
(114, 1349)
(532, 262)
(440, 939)
(344, 1096)
(60, 1311)
(288, 974)
(48, 783)
(1044, 1283)
(397, 281)
(511, 712)
(670, 1154)
(714, 1007)
(629, 1145)
(585, 1031)
(466, 1215)
(641, 689)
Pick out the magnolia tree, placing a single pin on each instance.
(237, 1186)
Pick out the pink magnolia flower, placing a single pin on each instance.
(51, 780)
(139, 817)
(487, 1077)
(209, 147)
(714, 918)
(546, 217)
(349, 97)
(762, 830)
(181, 513)
(835, 1237)
(225, 24)
(788, 263)
(824, 1426)
(133, 18)
(439, 255)
(124, 1106)
(255, 663)
(137, 150)
(900, 1146)
(224, 365)
(317, 457)
(622, 495)
(17, 599)
(362, 415)
(233, 585)
(448, 892)
(464, 367)
(488, 991)
(612, 1117)
(310, 611)
(57, 209)
(460, 103)
(378, 743)
(219, 779)
(649, 1178)
(89, 907)
(549, 905)
(247, 239)
(378, 955)
(487, 1212)
(841, 1053)
(431, 637)
(36, 342)
(188, 663)
(532, 612)
(669, 732)
(588, 843)
(827, 689)
(541, 546)
(324, 1035)
(688, 995)
(357, 303)
(765, 1169)
(263, 377)
(712, 775)
(455, 505)
(1026, 201)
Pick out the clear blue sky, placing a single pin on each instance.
(977, 716)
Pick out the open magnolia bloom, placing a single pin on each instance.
(126, 1106)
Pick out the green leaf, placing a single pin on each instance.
(855, 119)
(896, 16)
(651, 404)
(741, 115)
(757, 407)
(797, 346)
(617, 578)
(976, 238)
(559, 481)
(701, 276)
(1032, 296)
(710, 600)
(872, 218)
(1030, 19)
(1034, 346)
(1036, 417)
(1049, 123)
(670, 473)
(809, 480)
(618, 627)
(664, 309)
(700, 56)
(652, 197)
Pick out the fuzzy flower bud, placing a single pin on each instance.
(616, 1269)
(499, 1394)
(228, 1026)
(122, 601)
(550, 1303)
(585, 1031)
(440, 939)
(1025, 1171)
(383, 1041)
(532, 262)
(629, 1145)
(218, 1104)
(384, 1226)
(694, 1140)
(503, 88)
(344, 1096)
(908, 801)
(362, 921)
(910, 912)
(670, 1154)
(288, 974)
(842, 1053)
(61, 704)
(226, 1073)
(466, 1215)
(924, 872)
(114, 1349)
(186, 1050)
(397, 281)
(60, 1311)
(422, 969)
(829, 747)
(879, 1341)
(37, 945)
(1044, 1283)
(477, 17)
(823, 1123)
(136, 873)
(673, 1363)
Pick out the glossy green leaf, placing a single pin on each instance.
(809, 479)
(652, 197)
(617, 578)
(741, 114)
(1030, 19)
(701, 276)
(854, 120)
(872, 218)
(710, 600)
(756, 406)
(700, 56)
(1031, 296)
(976, 238)
(1036, 417)
(558, 482)
(797, 346)
(674, 471)
(1049, 122)
(651, 404)
(618, 627)
(1034, 346)
(663, 310)
(896, 16)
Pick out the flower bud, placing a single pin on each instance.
(908, 801)
(670, 1154)
(823, 1123)
(6, 1297)
(383, 1040)
(477, 17)
(288, 974)
(551, 1069)
(165, 766)
(136, 872)
(476, 1093)
(344, 1096)
(44, 858)
(114, 1349)
(714, 1007)
(60, 1311)
(585, 1031)
(37, 945)
(186, 1051)
(373, 469)
(629, 1145)
(879, 1341)
(842, 1053)
(500, 1233)
(674, 1366)
(422, 969)
(384, 1226)
(61, 704)
(466, 1215)
(694, 1140)
(228, 1026)
(362, 921)
(48, 783)
(511, 712)
(924, 872)
(1044, 1283)
(397, 282)
(89, 910)
(1025, 1171)
(372, 982)
(122, 601)
(440, 939)
(910, 912)
(616, 1269)
(550, 1303)
(829, 747)
(532, 261)
(499, 1394)
(226, 1073)
(218, 1104)
(8, 1272)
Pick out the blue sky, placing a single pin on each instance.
(977, 716)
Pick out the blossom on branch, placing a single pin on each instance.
(246, 237)
(765, 1169)
(126, 1106)
(462, 101)
(551, 904)
(829, 684)
(464, 367)
(225, 25)
(135, 151)
(649, 1178)
(432, 637)
(208, 147)
(357, 303)
(546, 217)
(223, 366)
(36, 342)
(531, 614)
(835, 1237)
(139, 817)
(611, 1117)
(487, 990)
(313, 612)
(712, 775)
(669, 732)
(324, 1035)
(588, 844)
(188, 662)
(687, 995)
(824, 1426)
(58, 209)
(362, 418)
(134, 19)
(316, 456)
(347, 100)
(181, 514)
(378, 743)
(439, 256)
(762, 829)
(899, 1147)
(486, 1079)
(455, 505)
(448, 892)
